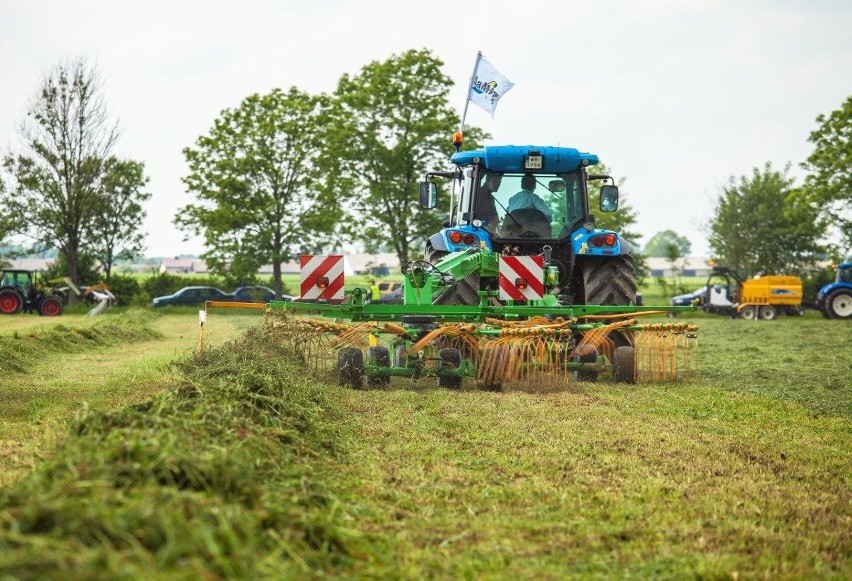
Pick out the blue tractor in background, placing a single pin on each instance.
(530, 200)
(834, 300)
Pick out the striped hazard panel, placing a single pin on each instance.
(521, 278)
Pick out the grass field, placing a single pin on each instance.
(117, 464)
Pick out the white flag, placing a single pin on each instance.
(487, 86)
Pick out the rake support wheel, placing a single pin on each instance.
(449, 359)
(624, 365)
(350, 367)
(380, 356)
(588, 354)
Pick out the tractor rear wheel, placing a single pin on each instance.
(839, 304)
(11, 302)
(463, 292)
(434, 256)
(350, 367)
(449, 359)
(624, 365)
(50, 307)
(380, 356)
(609, 281)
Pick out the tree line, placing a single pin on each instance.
(289, 172)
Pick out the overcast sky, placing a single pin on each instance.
(675, 96)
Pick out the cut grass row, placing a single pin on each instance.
(242, 467)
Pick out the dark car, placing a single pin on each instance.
(193, 295)
(254, 294)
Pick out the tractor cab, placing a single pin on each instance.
(509, 195)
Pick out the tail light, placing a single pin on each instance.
(457, 237)
(605, 240)
(521, 283)
(322, 282)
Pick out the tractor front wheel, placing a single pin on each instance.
(50, 307)
(11, 302)
(350, 367)
(838, 304)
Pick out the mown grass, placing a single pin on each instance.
(209, 478)
(244, 468)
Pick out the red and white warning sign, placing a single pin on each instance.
(322, 277)
(521, 278)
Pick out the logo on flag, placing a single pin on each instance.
(487, 85)
(322, 277)
(521, 278)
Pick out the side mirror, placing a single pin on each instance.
(428, 195)
(556, 186)
(609, 198)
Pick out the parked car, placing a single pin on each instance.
(254, 294)
(193, 295)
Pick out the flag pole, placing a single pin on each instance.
(467, 94)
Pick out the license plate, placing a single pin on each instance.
(533, 161)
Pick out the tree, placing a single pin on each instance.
(116, 226)
(763, 224)
(5, 227)
(830, 165)
(67, 137)
(393, 123)
(259, 187)
(660, 244)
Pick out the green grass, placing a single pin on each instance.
(236, 465)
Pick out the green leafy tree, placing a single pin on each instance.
(660, 244)
(117, 226)
(261, 197)
(763, 224)
(829, 181)
(67, 137)
(5, 227)
(393, 123)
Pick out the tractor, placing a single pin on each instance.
(526, 200)
(19, 291)
(834, 300)
(527, 296)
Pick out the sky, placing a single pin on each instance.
(674, 96)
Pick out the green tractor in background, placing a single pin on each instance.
(19, 291)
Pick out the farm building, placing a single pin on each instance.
(686, 266)
(183, 266)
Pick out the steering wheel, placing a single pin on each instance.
(527, 223)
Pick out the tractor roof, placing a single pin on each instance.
(510, 158)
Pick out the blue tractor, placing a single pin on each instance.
(834, 300)
(529, 200)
